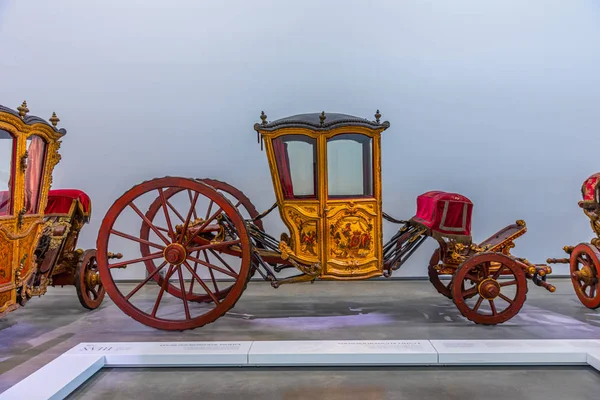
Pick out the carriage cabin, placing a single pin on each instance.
(327, 180)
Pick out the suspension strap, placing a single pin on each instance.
(264, 213)
(394, 220)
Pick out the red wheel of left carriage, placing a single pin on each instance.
(585, 274)
(145, 300)
(90, 290)
(479, 293)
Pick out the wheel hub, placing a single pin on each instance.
(175, 254)
(489, 289)
(586, 275)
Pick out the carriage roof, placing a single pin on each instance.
(319, 122)
(31, 119)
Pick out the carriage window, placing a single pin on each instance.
(36, 154)
(349, 166)
(7, 147)
(296, 163)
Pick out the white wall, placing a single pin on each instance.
(497, 100)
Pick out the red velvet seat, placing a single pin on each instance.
(445, 214)
(64, 202)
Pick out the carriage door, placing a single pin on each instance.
(351, 208)
(7, 220)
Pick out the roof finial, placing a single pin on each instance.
(377, 116)
(23, 110)
(263, 117)
(322, 117)
(54, 120)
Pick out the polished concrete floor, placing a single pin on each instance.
(34, 335)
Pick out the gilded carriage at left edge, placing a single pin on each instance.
(39, 227)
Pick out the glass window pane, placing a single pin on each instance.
(6, 153)
(296, 157)
(349, 166)
(36, 153)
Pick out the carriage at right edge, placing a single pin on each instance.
(584, 259)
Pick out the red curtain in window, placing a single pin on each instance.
(283, 166)
(33, 174)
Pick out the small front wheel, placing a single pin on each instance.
(585, 274)
(479, 293)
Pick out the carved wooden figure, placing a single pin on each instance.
(39, 227)
(201, 240)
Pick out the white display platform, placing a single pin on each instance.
(67, 372)
(335, 352)
(514, 352)
(167, 354)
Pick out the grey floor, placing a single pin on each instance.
(32, 336)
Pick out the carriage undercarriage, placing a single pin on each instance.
(485, 271)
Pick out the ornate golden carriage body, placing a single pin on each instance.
(333, 212)
(39, 227)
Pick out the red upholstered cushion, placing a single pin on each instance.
(445, 213)
(63, 201)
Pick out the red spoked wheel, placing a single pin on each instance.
(479, 293)
(87, 281)
(585, 274)
(162, 206)
(211, 222)
(443, 287)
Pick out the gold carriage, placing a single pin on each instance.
(201, 240)
(39, 227)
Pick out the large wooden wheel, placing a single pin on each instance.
(434, 277)
(210, 223)
(481, 296)
(585, 274)
(241, 202)
(90, 290)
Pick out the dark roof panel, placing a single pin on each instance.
(316, 121)
(31, 119)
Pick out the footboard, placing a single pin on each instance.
(502, 241)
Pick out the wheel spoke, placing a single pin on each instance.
(186, 307)
(152, 256)
(210, 271)
(189, 216)
(208, 265)
(223, 261)
(139, 286)
(201, 282)
(593, 290)
(163, 287)
(467, 294)
(209, 209)
(485, 269)
(175, 211)
(135, 239)
(195, 270)
(214, 245)
(499, 272)
(506, 299)
(164, 207)
(479, 301)
(190, 196)
(508, 283)
(150, 224)
(493, 307)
